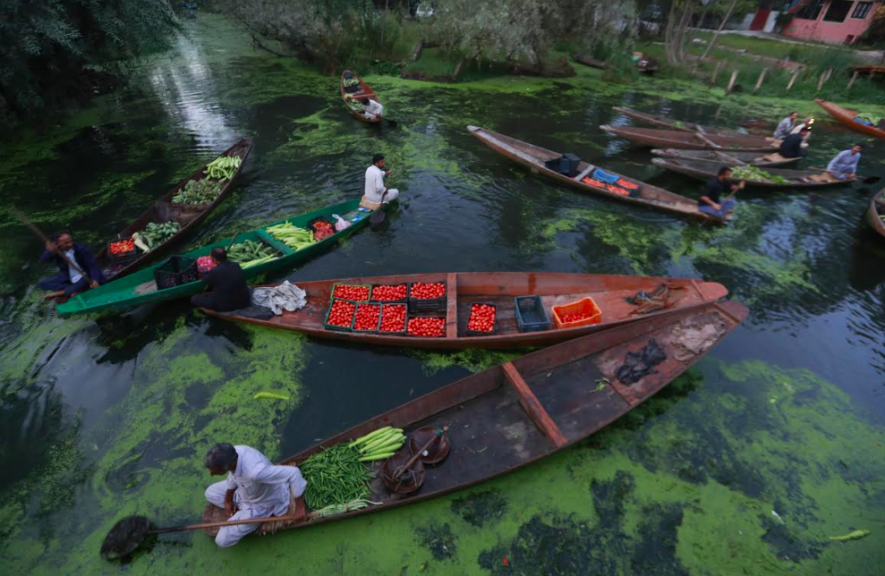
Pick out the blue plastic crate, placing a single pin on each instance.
(530, 314)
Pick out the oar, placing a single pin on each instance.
(708, 141)
(402, 469)
(731, 158)
(867, 180)
(24, 220)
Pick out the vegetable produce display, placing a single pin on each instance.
(426, 326)
(335, 509)
(334, 477)
(367, 317)
(155, 234)
(569, 318)
(223, 168)
(203, 191)
(251, 253)
(425, 291)
(350, 292)
(482, 318)
(380, 444)
(122, 247)
(204, 264)
(292, 236)
(756, 174)
(393, 318)
(341, 313)
(322, 230)
(389, 293)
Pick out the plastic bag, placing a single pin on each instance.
(340, 223)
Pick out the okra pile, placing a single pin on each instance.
(335, 476)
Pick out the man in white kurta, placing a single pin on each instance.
(375, 185)
(373, 110)
(254, 488)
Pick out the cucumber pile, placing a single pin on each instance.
(223, 168)
(154, 234)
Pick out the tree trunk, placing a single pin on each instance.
(419, 49)
(721, 26)
(457, 71)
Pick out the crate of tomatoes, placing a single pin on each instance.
(367, 317)
(393, 319)
(584, 312)
(341, 315)
(122, 252)
(426, 326)
(483, 319)
(390, 293)
(427, 296)
(352, 292)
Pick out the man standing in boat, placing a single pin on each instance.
(254, 488)
(375, 188)
(226, 285)
(844, 165)
(70, 280)
(785, 128)
(710, 202)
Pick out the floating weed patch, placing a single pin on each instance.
(479, 508)
(473, 359)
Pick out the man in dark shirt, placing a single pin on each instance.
(791, 147)
(69, 280)
(710, 202)
(227, 289)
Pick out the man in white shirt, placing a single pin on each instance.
(844, 165)
(785, 128)
(373, 110)
(254, 488)
(375, 188)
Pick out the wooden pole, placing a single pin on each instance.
(716, 73)
(853, 78)
(24, 220)
(823, 79)
(793, 78)
(761, 79)
(734, 76)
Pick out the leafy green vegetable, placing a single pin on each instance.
(202, 191)
(154, 234)
(756, 174)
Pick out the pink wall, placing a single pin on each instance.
(830, 32)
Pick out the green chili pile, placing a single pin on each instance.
(335, 476)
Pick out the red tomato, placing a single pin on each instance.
(389, 293)
(341, 313)
(426, 326)
(355, 293)
(393, 318)
(367, 317)
(423, 291)
(482, 318)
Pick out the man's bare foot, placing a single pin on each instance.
(52, 295)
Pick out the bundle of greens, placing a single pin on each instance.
(224, 167)
(755, 174)
(155, 234)
(203, 191)
(335, 477)
(251, 253)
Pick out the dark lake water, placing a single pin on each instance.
(746, 465)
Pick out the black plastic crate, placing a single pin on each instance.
(119, 260)
(566, 164)
(334, 326)
(175, 271)
(377, 327)
(480, 332)
(405, 321)
(404, 300)
(428, 304)
(530, 314)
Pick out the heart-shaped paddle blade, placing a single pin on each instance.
(125, 537)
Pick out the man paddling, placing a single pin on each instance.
(227, 288)
(710, 202)
(69, 281)
(373, 108)
(844, 165)
(254, 488)
(791, 147)
(785, 128)
(375, 188)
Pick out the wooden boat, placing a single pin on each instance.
(847, 117)
(749, 158)
(515, 414)
(365, 91)
(187, 216)
(535, 158)
(643, 66)
(669, 124)
(140, 287)
(657, 138)
(706, 169)
(499, 288)
(877, 207)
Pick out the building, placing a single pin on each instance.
(830, 21)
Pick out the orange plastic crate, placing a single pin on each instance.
(585, 305)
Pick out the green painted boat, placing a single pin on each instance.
(140, 287)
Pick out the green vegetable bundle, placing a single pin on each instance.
(335, 509)
(380, 444)
(202, 191)
(756, 174)
(223, 168)
(250, 253)
(335, 477)
(154, 234)
(292, 236)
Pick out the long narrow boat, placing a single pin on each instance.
(522, 411)
(141, 288)
(644, 66)
(706, 169)
(847, 117)
(365, 91)
(657, 138)
(535, 158)
(876, 212)
(463, 289)
(669, 124)
(750, 158)
(186, 215)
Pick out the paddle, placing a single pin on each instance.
(730, 158)
(24, 220)
(867, 180)
(707, 140)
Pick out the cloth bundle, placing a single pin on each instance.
(286, 296)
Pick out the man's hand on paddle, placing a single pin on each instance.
(51, 246)
(229, 507)
(93, 284)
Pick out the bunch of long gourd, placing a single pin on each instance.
(292, 236)
(251, 253)
(335, 476)
(380, 444)
(223, 168)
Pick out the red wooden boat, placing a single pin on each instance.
(515, 414)
(365, 91)
(500, 288)
(847, 117)
(875, 212)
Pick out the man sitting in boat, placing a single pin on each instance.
(791, 147)
(785, 128)
(375, 188)
(254, 488)
(710, 202)
(844, 165)
(69, 281)
(373, 108)
(226, 285)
